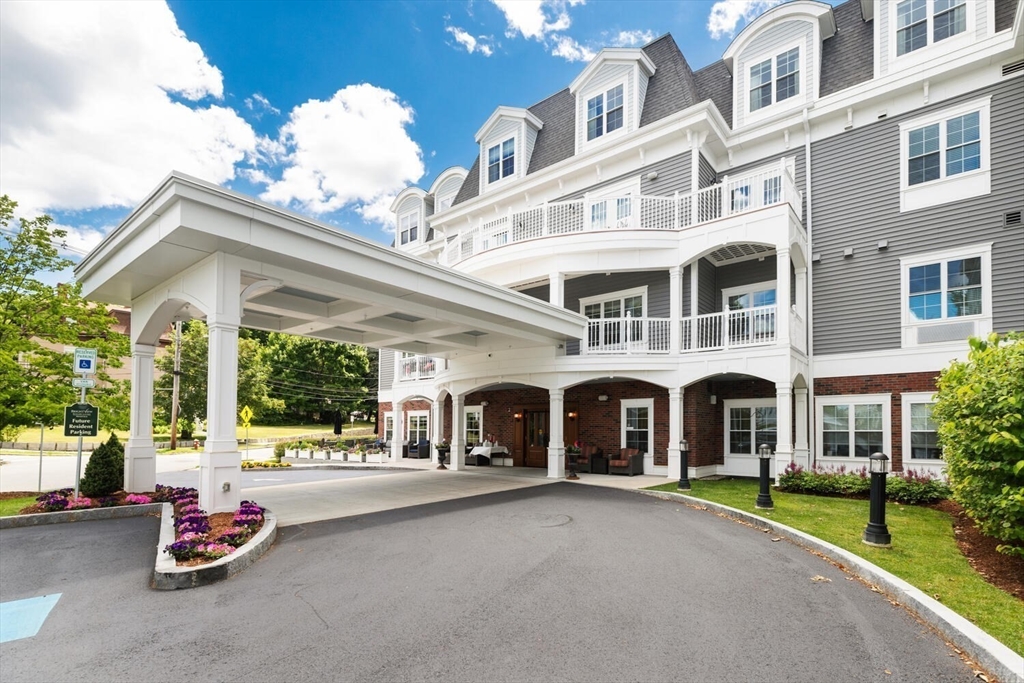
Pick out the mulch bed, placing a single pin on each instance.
(1003, 571)
(18, 494)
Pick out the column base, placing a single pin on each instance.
(556, 463)
(802, 457)
(782, 459)
(457, 458)
(220, 481)
(139, 466)
(673, 463)
(877, 535)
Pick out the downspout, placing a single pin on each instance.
(808, 326)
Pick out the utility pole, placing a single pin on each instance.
(174, 391)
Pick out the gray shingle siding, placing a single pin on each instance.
(672, 88)
(857, 203)
(673, 175)
(714, 82)
(1005, 10)
(555, 139)
(744, 273)
(471, 188)
(686, 292)
(708, 300)
(847, 58)
(706, 174)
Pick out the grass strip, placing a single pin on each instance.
(924, 552)
(12, 506)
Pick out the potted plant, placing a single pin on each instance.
(444, 447)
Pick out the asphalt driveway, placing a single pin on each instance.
(550, 583)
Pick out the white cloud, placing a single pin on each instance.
(99, 101)
(726, 15)
(258, 104)
(81, 240)
(352, 150)
(633, 38)
(570, 50)
(471, 44)
(379, 211)
(544, 21)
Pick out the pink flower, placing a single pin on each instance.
(137, 499)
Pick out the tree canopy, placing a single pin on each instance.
(38, 320)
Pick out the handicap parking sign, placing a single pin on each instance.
(85, 361)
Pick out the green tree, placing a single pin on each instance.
(253, 373)
(37, 321)
(104, 473)
(314, 378)
(980, 409)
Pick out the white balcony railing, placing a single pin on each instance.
(729, 329)
(412, 368)
(627, 335)
(731, 197)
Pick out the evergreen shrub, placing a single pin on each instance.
(104, 474)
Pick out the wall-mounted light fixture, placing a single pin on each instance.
(602, 397)
(484, 404)
(518, 416)
(572, 414)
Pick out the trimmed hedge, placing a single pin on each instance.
(909, 487)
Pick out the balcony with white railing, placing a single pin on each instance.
(414, 368)
(729, 330)
(732, 197)
(628, 335)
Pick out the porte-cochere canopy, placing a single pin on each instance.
(193, 249)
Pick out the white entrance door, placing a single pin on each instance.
(748, 424)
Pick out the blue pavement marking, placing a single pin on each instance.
(24, 618)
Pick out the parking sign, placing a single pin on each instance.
(85, 361)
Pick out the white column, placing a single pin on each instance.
(801, 450)
(458, 455)
(556, 444)
(784, 425)
(801, 292)
(398, 431)
(675, 431)
(693, 303)
(437, 418)
(139, 453)
(675, 307)
(556, 289)
(220, 464)
(782, 296)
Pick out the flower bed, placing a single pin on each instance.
(909, 487)
(63, 500)
(253, 464)
(200, 538)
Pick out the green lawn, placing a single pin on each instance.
(12, 506)
(924, 552)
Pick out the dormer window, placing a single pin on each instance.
(409, 226)
(947, 18)
(501, 160)
(786, 81)
(605, 113)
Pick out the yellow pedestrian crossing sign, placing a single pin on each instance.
(246, 416)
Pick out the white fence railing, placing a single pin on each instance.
(731, 197)
(415, 368)
(627, 335)
(728, 329)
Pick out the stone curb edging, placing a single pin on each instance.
(997, 658)
(84, 515)
(167, 575)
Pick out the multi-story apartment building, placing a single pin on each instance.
(784, 247)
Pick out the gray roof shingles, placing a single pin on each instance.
(847, 58)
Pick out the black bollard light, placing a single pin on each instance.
(684, 465)
(764, 496)
(876, 533)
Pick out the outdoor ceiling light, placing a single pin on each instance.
(572, 414)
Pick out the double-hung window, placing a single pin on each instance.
(605, 113)
(854, 426)
(473, 421)
(751, 426)
(944, 156)
(501, 160)
(765, 90)
(616, 320)
(920, 430)
(923, 22)
(637, 424)
(417, 426)
(946, 295)
(409, 225)
(945, 289)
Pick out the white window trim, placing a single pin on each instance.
(408, 422)
(906, 400)
(466, 410)
(438, 201)
(603, 91)
(752, 116)
(982, 322)
(637, 403)
(419, 227)
(749, 289)
(947, 188)
(389, 426)
(927, 53)
(852, 399)
(622, 294)
(729, 403)
(627, 188)
(517, 153)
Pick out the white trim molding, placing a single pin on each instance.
(934, 465)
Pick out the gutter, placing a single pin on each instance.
(809, 323)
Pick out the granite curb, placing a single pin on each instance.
(167, 575)
(84, 515)
(995, 657)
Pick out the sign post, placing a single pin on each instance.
(246, 416)
(82, 419)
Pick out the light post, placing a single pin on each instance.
(684, 465)
(764, 496)
(42, 428)
(876, 533)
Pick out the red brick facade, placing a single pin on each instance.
(881, 384)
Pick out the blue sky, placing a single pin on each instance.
(329, 109)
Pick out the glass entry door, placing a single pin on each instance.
(536, 439)
(749, 321)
